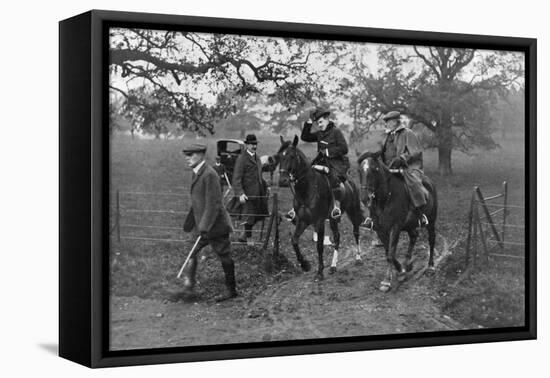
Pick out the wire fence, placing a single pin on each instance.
(134, 219)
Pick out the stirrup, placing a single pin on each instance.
(423, 221)
(367, 223)
(290, 215)
(336, 213)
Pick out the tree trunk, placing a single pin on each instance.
(445, 161)
(445, 145)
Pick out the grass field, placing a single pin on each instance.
(492, 296)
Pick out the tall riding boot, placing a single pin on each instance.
(337, 193)
(231, 287)
(189, 279)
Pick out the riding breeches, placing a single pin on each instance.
(418, 193)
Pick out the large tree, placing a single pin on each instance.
(196, 77)
(449, 91)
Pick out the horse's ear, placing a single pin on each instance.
(282, 140)
(295, 141)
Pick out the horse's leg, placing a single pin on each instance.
(356, 218)
(320, 228)
(431, 241)
(413, 235)
(391, 259)
(336, 236)
(298, 231)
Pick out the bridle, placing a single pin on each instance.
(292, 176)
(371, 193)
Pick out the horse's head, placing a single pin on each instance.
(291, 161)
(371, 175)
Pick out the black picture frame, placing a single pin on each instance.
(84, 189)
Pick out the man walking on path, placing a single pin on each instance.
(209, 219)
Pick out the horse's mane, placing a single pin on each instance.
(284, 146)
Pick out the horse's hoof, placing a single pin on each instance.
(430, 271)
(306, 266)
(358, 262)
(401, 276)
(385, 288)
(332, 270)
(319, 277)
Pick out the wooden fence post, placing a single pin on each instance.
(482, 234)
(470, 224)
(270, 223)
(488, 216)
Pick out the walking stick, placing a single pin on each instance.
(229, 187)
(189, 256)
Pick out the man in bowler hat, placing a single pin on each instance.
(249, 186)
(209, 219)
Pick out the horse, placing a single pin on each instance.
(384, 193)
(313, 204)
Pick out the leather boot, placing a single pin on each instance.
(231, 289)
(338, 193)
(246, 233)
(189, 276)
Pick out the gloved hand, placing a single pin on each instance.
(398, 162)
(203, 234)
(243, 198)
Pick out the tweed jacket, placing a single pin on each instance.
(207, 215)
(403, 143)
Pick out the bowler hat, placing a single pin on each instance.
(391, 115)
(193, 148)
(251, 139)
(318, 113)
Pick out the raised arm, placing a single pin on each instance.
(307, 135)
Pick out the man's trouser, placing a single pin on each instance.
(255, 209)
(418, 193)
(221, 246)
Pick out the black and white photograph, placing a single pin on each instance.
(269, 188)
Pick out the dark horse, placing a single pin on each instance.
(387, 198)
(313, 203)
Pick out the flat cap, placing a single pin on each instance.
(195, 147)
(391, 115)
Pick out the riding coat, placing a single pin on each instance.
(332, 145)
(247, 179)
(207, 215)
(402, 146)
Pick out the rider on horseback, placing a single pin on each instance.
(331, 159)
(402, 150)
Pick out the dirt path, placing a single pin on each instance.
(347, 303)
